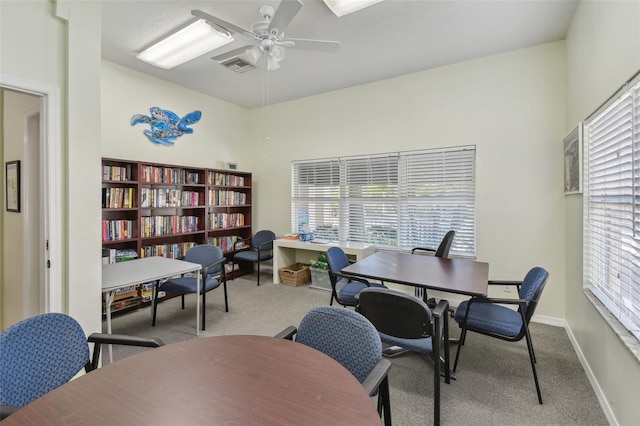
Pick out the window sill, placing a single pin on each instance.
(628, 339)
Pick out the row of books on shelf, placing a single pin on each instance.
(121, 173)
(118, 198)
(111, 255)
(120, 229)
(167, 197)
(227, 198)
(224, 179)
(166, 225)
(172, 251)
(154, 174)
(225, 243)
(225, 220)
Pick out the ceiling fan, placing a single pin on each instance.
(268, 34)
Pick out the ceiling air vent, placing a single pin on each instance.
(236, 64)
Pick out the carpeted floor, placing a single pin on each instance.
(494, 383)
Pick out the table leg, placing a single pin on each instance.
(107, 304)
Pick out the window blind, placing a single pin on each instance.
(394, 200)
(612, 205)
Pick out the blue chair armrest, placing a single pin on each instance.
(351, 278)
(287, 333)
(372, 382)
(430, 250)
(100, 339)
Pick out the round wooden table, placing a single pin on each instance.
(230, 380)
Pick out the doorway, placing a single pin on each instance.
(32, 237)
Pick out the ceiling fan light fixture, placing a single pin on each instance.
(186, 44)
(272, 64)
(344, 7)
(253, 55)
(278, 53)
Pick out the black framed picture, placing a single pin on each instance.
(12, 185)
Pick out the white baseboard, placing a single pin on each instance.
(606, 408)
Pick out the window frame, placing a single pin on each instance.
(387, 192)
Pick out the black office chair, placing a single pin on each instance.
(212, 275)
(490, 316)
(260, 249)
(443, 252)
(41, 353)
(350, 286)
(404, 320)
(350, 339)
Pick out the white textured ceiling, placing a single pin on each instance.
(388, 39)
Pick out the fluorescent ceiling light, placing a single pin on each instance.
(184, 45)
(343, 7)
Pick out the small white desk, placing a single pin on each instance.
(288, 252)
(140, 271)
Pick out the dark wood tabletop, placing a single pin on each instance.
(230, 380)
(451, 275)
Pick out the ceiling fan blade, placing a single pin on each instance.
(231, 53)
(317, 45)
(222, 23)
(287, 10)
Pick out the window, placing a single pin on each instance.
(612, 205)
(395, 200)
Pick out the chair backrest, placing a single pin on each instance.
(531, 289)
(445, 245)
(261, 237)
(38, 355)
(396, 313)
(206, 254)
(336, 259)
(344, 335)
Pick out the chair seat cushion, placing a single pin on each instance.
(348, 293)
(252, 256)
(186, 285)
(490, 317)
(422, 346)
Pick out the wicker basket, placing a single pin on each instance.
(295, 275)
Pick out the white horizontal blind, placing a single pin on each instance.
(396, 200)
(437, 195)
(612, 206)
(315, 189)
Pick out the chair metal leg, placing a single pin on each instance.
(383, 397)
(226, 303)
(154, 302)
(532, 357)
(436, 372)
(204, 308)
(463, 335)
(258, 262)
(182, 301)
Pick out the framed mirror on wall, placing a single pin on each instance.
(572, 149)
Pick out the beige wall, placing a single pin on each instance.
(511, 106)
(31, 48)
(17, 299)
(220, 136)
(603, 51)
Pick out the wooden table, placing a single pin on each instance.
(242, 380)
(450, 275)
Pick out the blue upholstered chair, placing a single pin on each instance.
(350, 339)
(405, 320)
(212, 275)
(443, 252)
(260, 249)
(492, 317)
(344, 288)
(44, 352)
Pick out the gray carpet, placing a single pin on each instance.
(494, 382)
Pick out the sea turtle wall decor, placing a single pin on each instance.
(166, 126)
